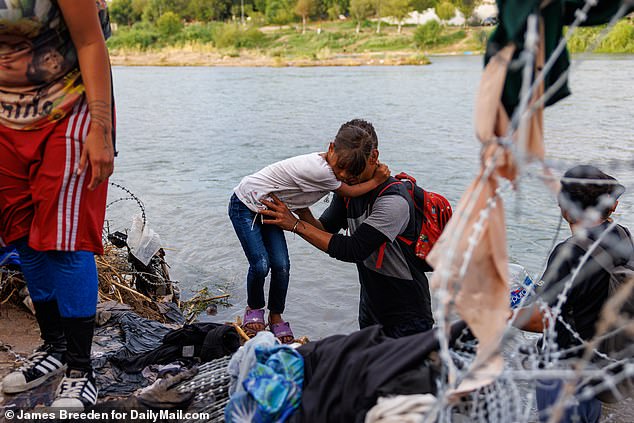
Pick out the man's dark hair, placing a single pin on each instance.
(585, 187)
(354, 143)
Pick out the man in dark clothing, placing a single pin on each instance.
(394, 288)
(587, 199)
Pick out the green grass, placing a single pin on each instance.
(309, 43)
(383, 42)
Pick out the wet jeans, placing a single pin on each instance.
(265, 248)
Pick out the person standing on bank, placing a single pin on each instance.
(587, 199)
(394, 288)
(300, 182)
(56, 154)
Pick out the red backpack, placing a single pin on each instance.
(432, 212)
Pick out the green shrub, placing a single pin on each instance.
(257, 18)
(581, 39)
(334, 11)
(427, 34)
(135, 38)
(419, 59)
(445, 10)
(169, 24)
(226, 35)
(144, 26)
(279, 12)
(233, 36)
(197, 33)
(252, 38)
(620, 39)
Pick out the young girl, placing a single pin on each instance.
(299, 182)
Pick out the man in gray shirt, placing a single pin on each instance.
(394, 288)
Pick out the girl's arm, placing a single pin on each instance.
(82, 20)
(381, 174)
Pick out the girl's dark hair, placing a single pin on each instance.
(368, 127)
(353, 144)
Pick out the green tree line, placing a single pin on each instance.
(154, 24)
(129, 12)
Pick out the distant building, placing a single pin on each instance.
(487, 9)
(420, 18)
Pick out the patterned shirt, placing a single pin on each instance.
(39, 70)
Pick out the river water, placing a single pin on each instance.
(187, 135)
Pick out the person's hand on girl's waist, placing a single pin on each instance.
(278, 213)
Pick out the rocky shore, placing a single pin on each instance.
(19, 334)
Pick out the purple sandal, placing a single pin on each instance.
(253, 322)
(283, 332)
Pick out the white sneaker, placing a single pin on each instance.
(38, 368)
(76, 391)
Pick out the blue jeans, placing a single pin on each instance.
(265, 248)
(547, 393)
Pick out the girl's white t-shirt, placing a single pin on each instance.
(298, 181)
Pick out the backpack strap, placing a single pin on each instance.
(385, 188)
(379, 259)
(599, 254)
(404, 176)
(405, 240)
(412, 187)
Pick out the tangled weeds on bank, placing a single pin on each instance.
(148, 289)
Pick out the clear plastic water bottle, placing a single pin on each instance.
(521, 284)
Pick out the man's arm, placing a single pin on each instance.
(381, 174)
(357, 247)
(278, 214)
(334, 218)
(307, 216)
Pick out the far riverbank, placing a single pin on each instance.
(322, 44)
(175, 57)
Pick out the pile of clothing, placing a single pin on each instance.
(340, 378)
(131, 352)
